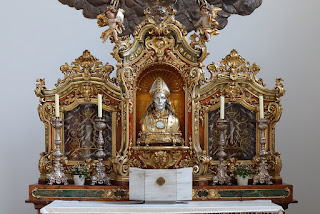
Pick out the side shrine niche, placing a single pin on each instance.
(159, 63)
(78, 90)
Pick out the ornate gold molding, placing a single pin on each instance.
(160, 157)
(205, 194)
(116, 194)
(33, 193)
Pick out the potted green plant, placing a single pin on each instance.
(242, 173)
(79, 173)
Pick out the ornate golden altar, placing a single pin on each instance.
(160, 49)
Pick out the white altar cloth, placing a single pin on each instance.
(126, 207)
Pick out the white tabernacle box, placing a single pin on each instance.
(160, 184)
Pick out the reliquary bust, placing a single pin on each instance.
(160, 125)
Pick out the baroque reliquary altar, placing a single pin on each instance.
(161, 112)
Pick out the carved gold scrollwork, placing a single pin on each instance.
(40, 86)
(86, 91)
(233, 66)
(273, 111)
(86, 66)
(231, 163)
(187, 162)
(160, 44)
(135, 162)
(280, 87)
(91, 165)
(160, 28)
(202, 164)
(46, 111)
(120, 164)
(196, 78)
(274, 163)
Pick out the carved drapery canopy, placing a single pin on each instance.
(187, 10)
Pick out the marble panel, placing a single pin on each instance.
(160, 185)
(184, 184)
(136, 183)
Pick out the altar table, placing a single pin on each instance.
(131, 207)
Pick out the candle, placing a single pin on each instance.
(261, 107)
(221, 107)
(99, 105)
(56, 96)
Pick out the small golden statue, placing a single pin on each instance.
(160, 125)
(113, 18)
(207, 21)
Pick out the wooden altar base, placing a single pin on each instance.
(41, 195)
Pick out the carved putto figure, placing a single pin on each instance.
(207, 21)
(160, 125)
(113, 18)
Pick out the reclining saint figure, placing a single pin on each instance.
(160, 125)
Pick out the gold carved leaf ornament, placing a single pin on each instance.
(160, 159)
(40, 86)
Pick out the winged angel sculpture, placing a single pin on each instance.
(134, 12)
(113, 18)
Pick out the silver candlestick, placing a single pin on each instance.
(263, 174)
(100, 177)
(221, 176)
(58, 175)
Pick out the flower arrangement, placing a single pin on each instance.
(79, 169)
(242, 171)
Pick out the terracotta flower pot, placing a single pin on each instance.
(79, 181)
(242, 181)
